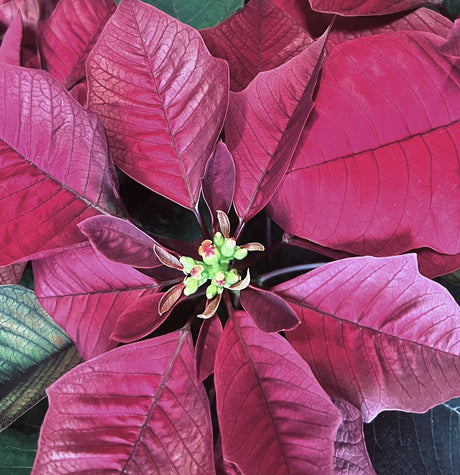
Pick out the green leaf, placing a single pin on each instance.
(198, 13)
(34, 352)
(17, 452)
(453, 8)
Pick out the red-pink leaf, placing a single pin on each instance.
(161, 96)
(69, 35)
(377, 171)
(264, 124)
(137, 409)
(273, 415)
(85, 293)
(452, 46)
(11, 274)
(10, 50)
(257, 38)
(297, 9)
(54, 168)
(423, 19)
(218, 182)
(368, 7)
(206, 347)
(31, 11)
(120, 241)
(432, 264)
(269, 311)
(376, 333)
(139, 320)
(350, 455)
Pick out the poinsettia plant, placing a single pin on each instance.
(305, 162)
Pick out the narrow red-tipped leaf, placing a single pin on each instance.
(137, 409)
(10, 50)
(257, 38)
(161, 96)
(264, 124)
(167, 258)
(377, 172)
(273, 415)
(139, 320)
(120, 241)
(170, 298)
(86, 293)
(376, 333)
(269, 311)
(54, 168)
(218, 182)
(206, 347)
(69, 35)
(368, 7)
(350, 454)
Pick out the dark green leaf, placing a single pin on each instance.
(17, 452)
(402, 443)
(34, 352)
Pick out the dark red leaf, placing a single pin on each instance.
(11, 274)
(218, 182)
(377, 171)
(139, 320)
(297, 9)
(376, 333)
(264, 124)
(54, 168)
(368, 7)
(206, 347)
(85, 293)
(269, 311)
(452, 46)
(10, 50)
(350, 455)
(161, 96)
(68, 36)
(257, 38)
(120, 241)
(273, 415)
(137, 409)
(432, 264)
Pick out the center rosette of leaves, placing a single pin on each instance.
(214, 267)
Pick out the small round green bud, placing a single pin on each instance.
(211, 291)
(232, 277)
(218, 239)
(188, 263)
(228, 248)
(240, 253)
(191, 286)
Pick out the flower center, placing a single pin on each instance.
(215, 266)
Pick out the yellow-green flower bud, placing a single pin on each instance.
(232, 277)
(218, 239)
(211, 291)
(228, 248)
(191, 286)
(188, 263)
(240, 253)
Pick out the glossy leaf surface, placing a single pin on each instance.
(268, 397)
(34, 352)
(375, 333)
(269, 311)
(161, 96)
(264, 124)
(136, 409)
(120, 241)
(53, 162)
(258, 38)
(389, 180)
(86, 293)
(68, 36)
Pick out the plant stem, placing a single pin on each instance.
(287, 270)
(201, 222)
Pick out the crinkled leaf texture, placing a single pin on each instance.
(377, 334)
(68, 36)
(54, 168)
(34, 352)
(86, 293)
(377, 170)
(264, 124)
(161, 96)
(259, 37)
(350, 454)
(136, 409)
(368, 7)
(273, 415)
(11, 274)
